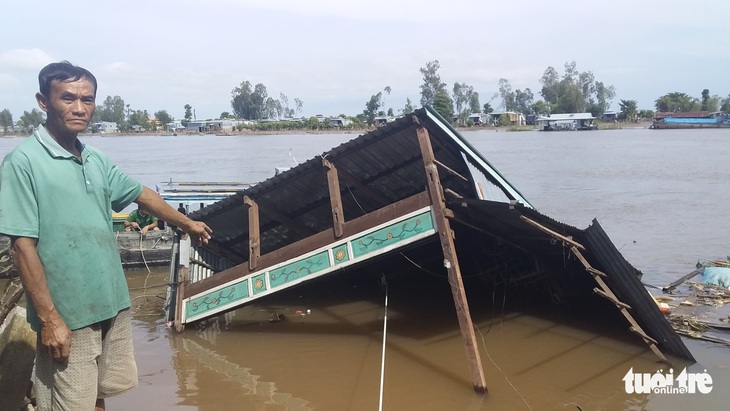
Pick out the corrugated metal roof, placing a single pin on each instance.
(567, 116)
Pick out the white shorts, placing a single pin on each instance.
(101, 365)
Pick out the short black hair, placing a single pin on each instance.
(62, 71)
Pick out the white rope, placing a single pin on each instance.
(385, 328)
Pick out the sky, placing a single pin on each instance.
(334, 54)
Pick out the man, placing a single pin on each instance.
(78, 300)
(141, 221)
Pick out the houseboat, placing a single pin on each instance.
(702, 119)
(567, 122)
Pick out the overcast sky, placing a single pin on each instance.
(335, 54)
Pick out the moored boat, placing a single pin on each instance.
(682, 120)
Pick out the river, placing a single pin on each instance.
(661, 195)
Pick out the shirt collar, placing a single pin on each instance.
(52, 146)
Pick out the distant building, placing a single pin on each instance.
(340, 122)
(567, 121)
(479, 119)
(211, 126)
(381, 121)
(610, 116)
(174, 126)
(106, 127)
(515, 119)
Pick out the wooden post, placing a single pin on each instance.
(183, 276)
(451, 262)
(333, 183)
(254, 237)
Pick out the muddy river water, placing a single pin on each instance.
(661, 195)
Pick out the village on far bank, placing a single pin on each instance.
(509, 121)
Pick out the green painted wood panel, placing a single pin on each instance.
(299, 269)
(208, 302)
(391, 234)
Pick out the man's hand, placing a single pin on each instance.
(56, 339)
(199, 232)
(145, 229)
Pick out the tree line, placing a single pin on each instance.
(571, 91)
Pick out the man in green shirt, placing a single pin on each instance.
(141, 221)
(78, 300)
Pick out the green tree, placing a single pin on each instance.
(164, 117)
(464, 95)
(225, 114)
(507, 95)
(487, 109)
(540, 107)
(6, 120)
(140, 118)
(431, 83)
(443, 104)
(725, 107)
(705, 100)
(676, 101)
(409, 106)
(258, 101)
(524, 101)
(371, 108)
(29, 120)
(299, 105)
(550, 85)
(628, 109)
(474, 105)
(188, 115)
(571, 99)
(241, 101)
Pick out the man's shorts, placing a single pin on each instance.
(101, 365)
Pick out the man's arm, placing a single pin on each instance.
(151, 202)
(55, 335)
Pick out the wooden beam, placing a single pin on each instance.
(254, 236)
(182, 282)
(552, 233)
(333, 183)
(451, 262)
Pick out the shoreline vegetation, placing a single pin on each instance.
(601, 125)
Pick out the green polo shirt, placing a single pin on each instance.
(48, 194)
(136, 217)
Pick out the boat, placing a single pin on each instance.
(154, 249)
(187, 196)
(683, 120)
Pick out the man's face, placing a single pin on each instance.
(69, 107)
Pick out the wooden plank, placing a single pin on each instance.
(624, 311)
(333, 184)
(675, 283)
(551, 232)
(643, 335)
(449, 170)
(314, 242)
(254, 236)
(182, 282)
(452, 262)
(616, 302)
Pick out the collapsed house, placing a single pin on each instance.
(413, 184)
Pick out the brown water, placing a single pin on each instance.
(660, 195)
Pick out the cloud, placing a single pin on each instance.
(24, 60)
